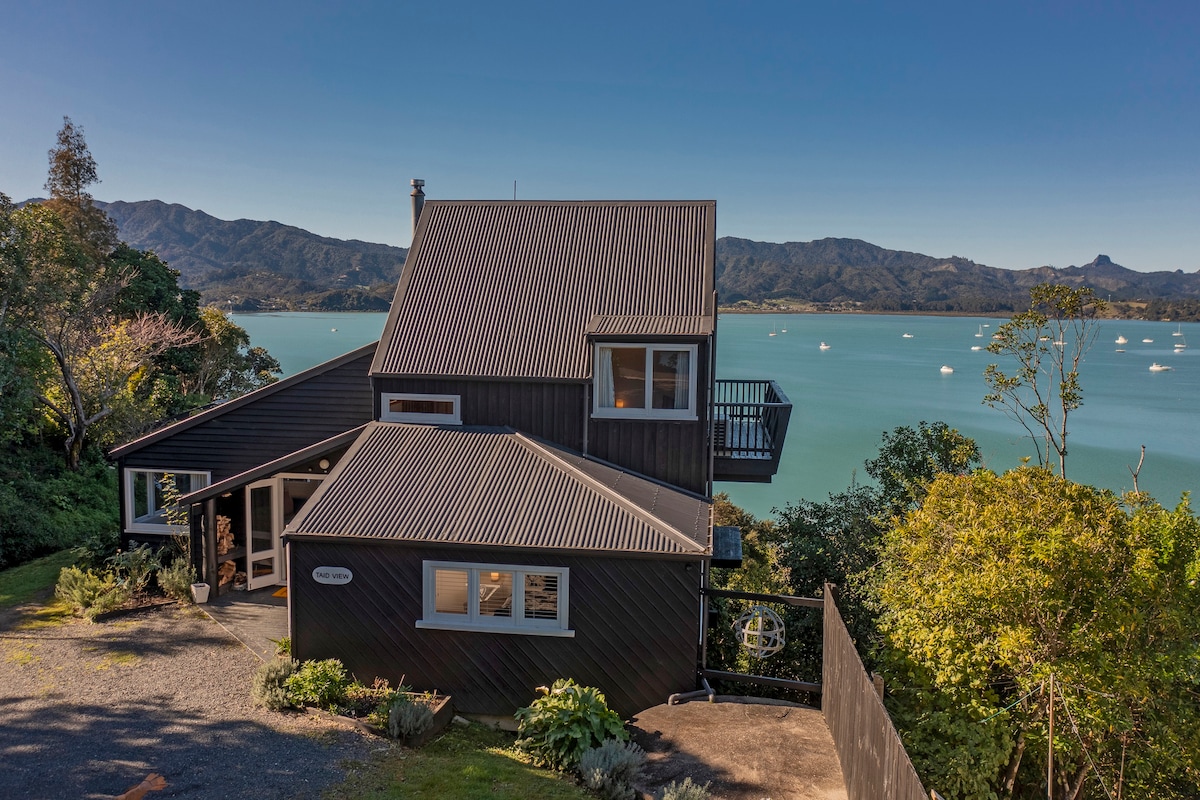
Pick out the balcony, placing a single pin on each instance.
(750, 422)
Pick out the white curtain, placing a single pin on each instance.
(683, 379)
(605, 391)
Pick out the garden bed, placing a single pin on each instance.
(443, 712)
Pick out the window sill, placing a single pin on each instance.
(645, 416)
(474, 627)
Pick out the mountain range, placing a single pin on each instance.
(253, 265)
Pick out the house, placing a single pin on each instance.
(525, 492)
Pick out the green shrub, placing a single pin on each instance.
(685, 791)
(409, 717)
(318, 683)
(283, 645)
(134, 567)
(566, 720)
(176, 579)
(268, 687)
(611, 769)
(88, 593)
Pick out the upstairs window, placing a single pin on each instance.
(648, 381)
(436, 409)
(495, 598)
(145, 497)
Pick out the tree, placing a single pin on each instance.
(72, 171)
(227, 366)
(1048, 343)
(998, 583)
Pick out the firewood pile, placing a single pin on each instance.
(225, 572)
(224, 536)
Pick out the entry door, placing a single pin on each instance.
(264, 515)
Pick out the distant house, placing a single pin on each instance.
(518, 485)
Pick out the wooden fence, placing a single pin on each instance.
(874, 762)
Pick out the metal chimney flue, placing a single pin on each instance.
(418, 202)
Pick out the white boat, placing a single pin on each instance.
(906, 336)
(1147, 341)
(1178, 330)
(1181, 345)
(980, 334)
(947, 369)
(783, 330)
(1156, 367)
(824, 346)
(772, 333)
(1122, 340)
(977, 347)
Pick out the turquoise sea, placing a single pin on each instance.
(872, 379)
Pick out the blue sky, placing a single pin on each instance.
(1015, 134)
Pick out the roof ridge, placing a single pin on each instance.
(612, 495)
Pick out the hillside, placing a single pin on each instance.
(251, 265)
(850, 273)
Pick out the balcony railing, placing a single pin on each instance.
(750, 421)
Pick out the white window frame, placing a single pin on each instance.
(647, 412)
(473, 621)
(131, 523)
(385, 415)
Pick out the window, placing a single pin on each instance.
(145, 491)
(499, 598)
(438, 409)
(652, 381)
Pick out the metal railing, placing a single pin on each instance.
(750, 419)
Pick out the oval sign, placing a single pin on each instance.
(333, 576)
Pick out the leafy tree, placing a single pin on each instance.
(227, 366)
(997, 583)
(1048, 342)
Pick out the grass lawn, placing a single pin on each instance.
(466, 763)
(21, 584)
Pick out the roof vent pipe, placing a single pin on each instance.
(418, 202)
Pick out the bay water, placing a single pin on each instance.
(872, 378)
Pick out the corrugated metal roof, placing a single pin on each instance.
(497, 487)
(246, 399)
(507, 288)
(609, 325)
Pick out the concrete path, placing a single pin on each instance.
(253, 618)
(749, 748)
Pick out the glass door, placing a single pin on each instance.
(264, 517)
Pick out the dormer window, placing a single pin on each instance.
(645, 381)
(436, 409)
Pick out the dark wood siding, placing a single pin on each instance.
(282, 422)
(550, 410)
(672, 452)
(636, 624)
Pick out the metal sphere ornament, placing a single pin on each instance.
(761, 630)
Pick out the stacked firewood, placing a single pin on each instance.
(224, 536)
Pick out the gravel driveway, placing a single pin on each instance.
(88, 710)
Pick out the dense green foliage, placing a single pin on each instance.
(45, 507)
(998, 582)
(558, 727)
(837, 541)
(98, 343)
(318, 683)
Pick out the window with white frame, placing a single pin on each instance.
(495, 598)
(437, 409)
(146, 491)
(653, 381)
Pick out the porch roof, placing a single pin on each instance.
(330, 445)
